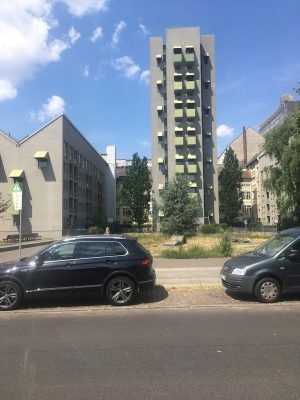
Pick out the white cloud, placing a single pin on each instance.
(73, 35)
(96, 35)
(54, 106)
(117, 33)
(145, 77)
(144, 30)
(126, 66)
(86, 71)
(7, 90)
(78, 8)
(25, 41)
(146, 143)
(224, 131)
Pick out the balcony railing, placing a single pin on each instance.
(190, 86)
(178, 113)
(192, 169)
(179, 141)
(179, 169)
(177, 86)
(190, 112)
(177, 58)
(189, 58)
(191, 140)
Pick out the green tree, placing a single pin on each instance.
(135, 192)
(4, 204)
(181, 211)
(230, 192)
(282, 146)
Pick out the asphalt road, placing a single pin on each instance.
(212, 353)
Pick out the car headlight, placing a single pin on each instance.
(238, 271)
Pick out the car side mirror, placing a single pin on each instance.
(293, 254)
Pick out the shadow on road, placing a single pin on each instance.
(70, 300)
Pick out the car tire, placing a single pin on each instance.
(268, 290)
(120, 291)
(10, 295)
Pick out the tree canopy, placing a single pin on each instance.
(135, 192)
(282, 146)
(230, 193)
(180, 210)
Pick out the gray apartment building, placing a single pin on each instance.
(183, 115)
(63, 180)
(287, 105)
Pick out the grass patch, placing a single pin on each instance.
(198, 246)
(192, 252)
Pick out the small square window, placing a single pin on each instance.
(42, 163)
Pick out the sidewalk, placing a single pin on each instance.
(189, 273)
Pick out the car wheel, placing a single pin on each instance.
(268, 290)
(10, 295)
(120, 291)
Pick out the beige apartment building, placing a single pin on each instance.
(63, 180)
(263, 202)
(183, 115)
(246, 145)
(258, 203)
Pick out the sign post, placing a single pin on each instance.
(17, 196)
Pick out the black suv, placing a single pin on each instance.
(268, 271)
(115, 265)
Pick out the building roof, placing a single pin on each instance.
(284, 99)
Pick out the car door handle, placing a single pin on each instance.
(281, 268)
(110, 261)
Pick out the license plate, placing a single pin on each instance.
(223, 277)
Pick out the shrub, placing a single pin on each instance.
(287, 222)
(225, 245)
(211, 229)
(254, 224)
(93, 230)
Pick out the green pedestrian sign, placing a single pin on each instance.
(17, 196)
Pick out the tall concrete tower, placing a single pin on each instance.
(184, 116)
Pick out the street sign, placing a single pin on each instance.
(17, 196)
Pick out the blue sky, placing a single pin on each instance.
(90, 59)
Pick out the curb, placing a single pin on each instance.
(24, 245)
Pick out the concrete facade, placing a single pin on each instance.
(111, 200)
(183, 115)
(64, 190)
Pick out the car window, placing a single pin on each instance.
(296, 246)
(274, 245)
(119, 249)
(95, 249)
(63, 251)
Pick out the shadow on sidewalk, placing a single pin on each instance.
(71, 300)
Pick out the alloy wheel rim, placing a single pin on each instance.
(269, 290)
(121, 291)
(8, 296)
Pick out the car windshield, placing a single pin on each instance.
(274, 245)
(35, 256)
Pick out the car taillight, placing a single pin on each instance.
(146, 262)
